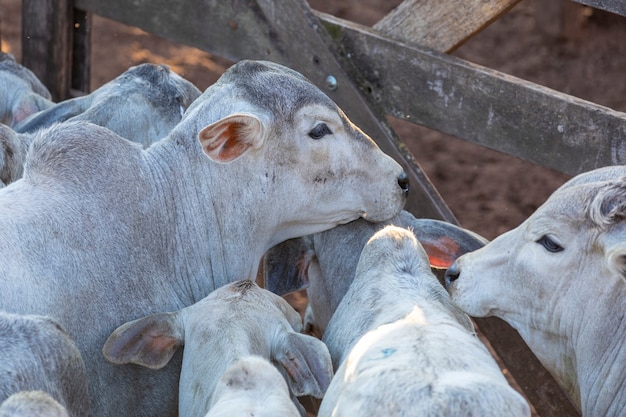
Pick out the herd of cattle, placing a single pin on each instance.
(133, 221)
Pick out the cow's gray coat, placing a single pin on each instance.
(99, 232)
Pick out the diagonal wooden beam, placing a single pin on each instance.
(443, 25)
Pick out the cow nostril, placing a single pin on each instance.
(403, 182)
(452, 274)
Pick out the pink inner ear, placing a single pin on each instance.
(20, 114)
(233, 147)
(303, 266)
(230, 142)
(442, 253)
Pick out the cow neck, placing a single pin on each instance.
(203, 218)
(600, 346)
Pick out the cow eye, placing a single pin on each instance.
(319, 131)
(549, 244)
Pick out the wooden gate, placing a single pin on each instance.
(398, 67)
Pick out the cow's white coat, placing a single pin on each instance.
(32, 404)
(233, 323)
(22, 92)
(403, 348)
(142, 104)
(325, 263)
(559, 279)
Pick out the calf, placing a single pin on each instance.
(560, 280)
(128, 232)
(22, 92)
(218, 333)
(252, 386)
(403, 348)
(324, 263)
(36, 354)
(142, 104)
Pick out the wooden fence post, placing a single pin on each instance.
(46, 43)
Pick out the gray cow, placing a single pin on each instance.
(143, 104)
(99, 232)
(21, 92)
(13, 148)
(37, 354)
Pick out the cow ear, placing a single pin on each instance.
(30, 104)
(617, 259)
(614, 242)
(150, 341)
(609, 209)
(444, 242)
(306, 362)
(286, 265)
(60, 112)
(229, 138)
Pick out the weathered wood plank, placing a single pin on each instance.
(284, 32)
(46, 48)
(481, 105)
(440, 25)
(613, 6)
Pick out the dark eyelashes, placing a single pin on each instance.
(319, 131)
(549, 244)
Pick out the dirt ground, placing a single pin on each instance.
(489, 192)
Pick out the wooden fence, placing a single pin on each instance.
(398, 67)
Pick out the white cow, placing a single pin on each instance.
(142, 104)
(229, 325)
(559, 280)
(99, 232)
(32, 404)
(36, 354)
(21, 92)
(252, 386)
(324, 263)
(403, 348)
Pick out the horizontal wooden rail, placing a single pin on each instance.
(481, 105)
